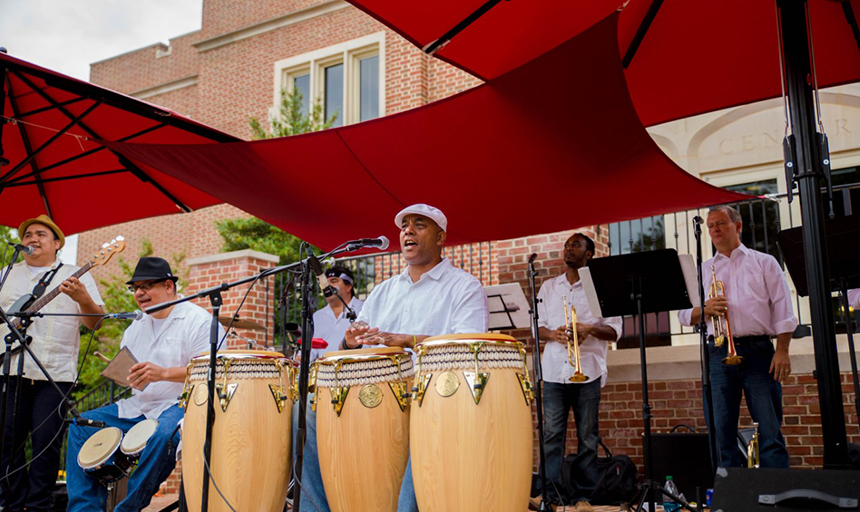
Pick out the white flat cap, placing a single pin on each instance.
(425, 210)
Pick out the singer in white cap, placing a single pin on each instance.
(429, 298)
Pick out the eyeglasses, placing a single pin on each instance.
(146, 286)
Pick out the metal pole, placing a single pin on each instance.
(808, 173)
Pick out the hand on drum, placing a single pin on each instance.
(142, 374)
(375, 337)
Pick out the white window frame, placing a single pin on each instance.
(349, 54)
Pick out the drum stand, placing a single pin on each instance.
(538, 386)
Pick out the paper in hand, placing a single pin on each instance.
(117, 369)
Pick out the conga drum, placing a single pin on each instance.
(362, 406)
(471, 424)
(251, 439)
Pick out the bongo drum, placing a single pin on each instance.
(251, 439)
(471, 424)
(99, 458)
(362, 406)
(136, 438)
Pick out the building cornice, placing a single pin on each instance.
(272, 24)
(166, 87)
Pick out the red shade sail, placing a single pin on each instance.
(696, 56)
(53, 165)
(554, 144)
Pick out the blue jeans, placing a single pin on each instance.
(763, 397)
(558, 400)
(158, 459)
(312, 484)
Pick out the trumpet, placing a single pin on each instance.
(573, 343)
(752, 449)
(722, 327)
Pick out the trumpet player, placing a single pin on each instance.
(560, 394)
(757, 302)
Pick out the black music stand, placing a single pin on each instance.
(843, 258)
(635, 284)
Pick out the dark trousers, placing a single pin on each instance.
(558, 400)
(40, 414)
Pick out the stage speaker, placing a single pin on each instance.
(685, 456)
(771, 490)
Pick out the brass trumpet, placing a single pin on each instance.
(752, 449)
(723, 331)
(573, 343)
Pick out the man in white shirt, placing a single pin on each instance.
(330, 324)
(164, 342)
(759, 306)
(56, 339)
(560, 395)
(431, 297)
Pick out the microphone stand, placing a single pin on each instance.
(538, 387)
(703, 342)
(350, 313)
(215, 299)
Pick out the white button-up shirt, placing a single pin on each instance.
(854, 298)
(184, 334)
(445, 300)
(56, 339)
(332, 328)
(592, 351)
(756, 290)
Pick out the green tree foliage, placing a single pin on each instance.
(253, 233)
(117, 298)
(6, 237)
(291, 120)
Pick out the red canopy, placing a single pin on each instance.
(697, 56)
(554, 144)
(55, 166)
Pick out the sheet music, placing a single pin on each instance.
(590, 293)
(691, 278)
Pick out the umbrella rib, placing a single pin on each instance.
(431, 48)
(50, 107)
(31, 154)
(640, 32)
(124, 161)
(65, 178)
(142, 176)
(852, 20)
(366, 170)
(92, 151)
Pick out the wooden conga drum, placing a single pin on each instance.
(471, 424)
(251, 440)
(362, 406)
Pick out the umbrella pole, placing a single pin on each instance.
(807, 172)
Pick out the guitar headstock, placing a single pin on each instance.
(115, 246)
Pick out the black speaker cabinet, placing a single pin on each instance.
(760, 490)
(685, 456)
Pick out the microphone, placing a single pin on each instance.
(316, 268)
(22, 249)
(132, 315)
(698, 220)
(381, 243)
(83, 422)
(532, 258)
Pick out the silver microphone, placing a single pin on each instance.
(23, 249)
(131, 315)
(381, 243)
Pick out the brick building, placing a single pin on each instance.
(246, 52)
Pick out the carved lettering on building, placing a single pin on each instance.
(767, 140)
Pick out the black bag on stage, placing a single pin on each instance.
(617, 477)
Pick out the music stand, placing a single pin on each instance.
(635, 284)
(843, 248)
(508, 307)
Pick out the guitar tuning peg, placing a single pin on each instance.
(105, 246)
(120, 238)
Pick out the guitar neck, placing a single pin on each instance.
(49, 296)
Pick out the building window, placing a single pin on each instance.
(344, 78)
(761, 222)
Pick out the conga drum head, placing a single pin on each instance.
(332, 357)
(135, 439)
(240, 354)
(99, 447)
